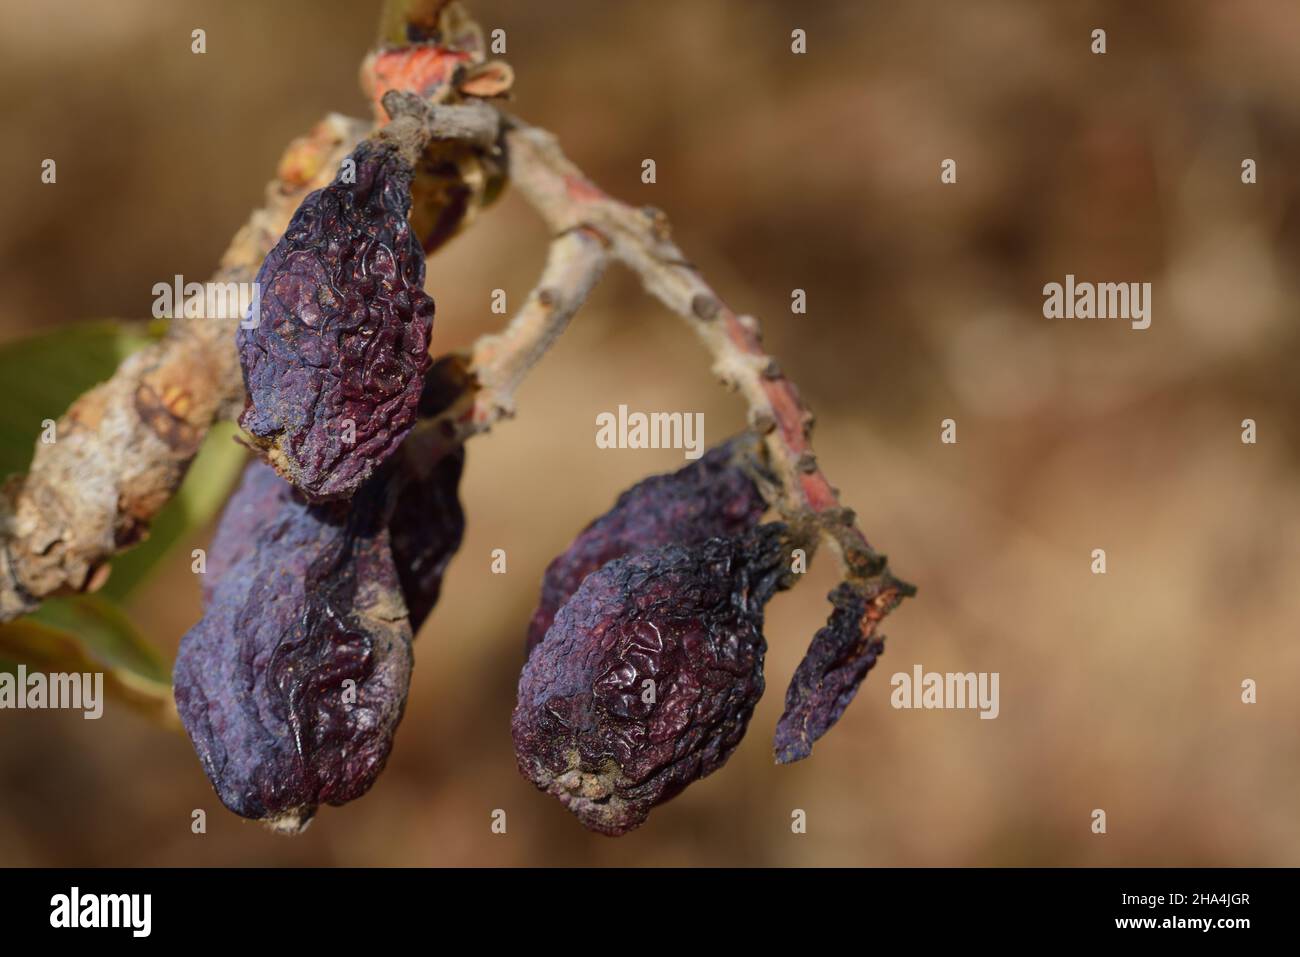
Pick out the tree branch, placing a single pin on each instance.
(639, 238)
(122, 449)
(474, 123)
(481, 386)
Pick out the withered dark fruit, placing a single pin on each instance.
(258, 501)
(648, 676)
(428, 521)
(828, 677)
(426, 528)
(335, 364)
(292, 684)
(710, 498)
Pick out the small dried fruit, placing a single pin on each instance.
(648, 676)
(335, 365)
(710, 498)
(257, 502)
(426, 528)
(827, 679)
(428, 522)
(293, 682)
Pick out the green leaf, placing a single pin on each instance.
(212, 475)
(87, 634)
(105, 632)
(43, 374)
(393, 19)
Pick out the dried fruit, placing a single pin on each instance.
(335, 365)
(426, 528)
(712, 497)
(293, 683)
(828, 677)
(648, 677)
(428, 522)
(258, 501)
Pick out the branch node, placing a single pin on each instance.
(659, 225)
(705, 306)
(764, 423)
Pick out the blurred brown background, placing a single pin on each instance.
(820, 171)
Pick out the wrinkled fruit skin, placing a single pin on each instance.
(343, 335)
(710, 498)
(293, 683)
(827, 679)
(428, 522)
(687, 618)
(258, 501)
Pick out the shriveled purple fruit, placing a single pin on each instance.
(335, 364)
(428, 521)
(259, 500)
(293, 683)
(827, 679)
(648, 677)
(710, 498)
(426, 528)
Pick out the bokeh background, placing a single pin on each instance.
(821, 172)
